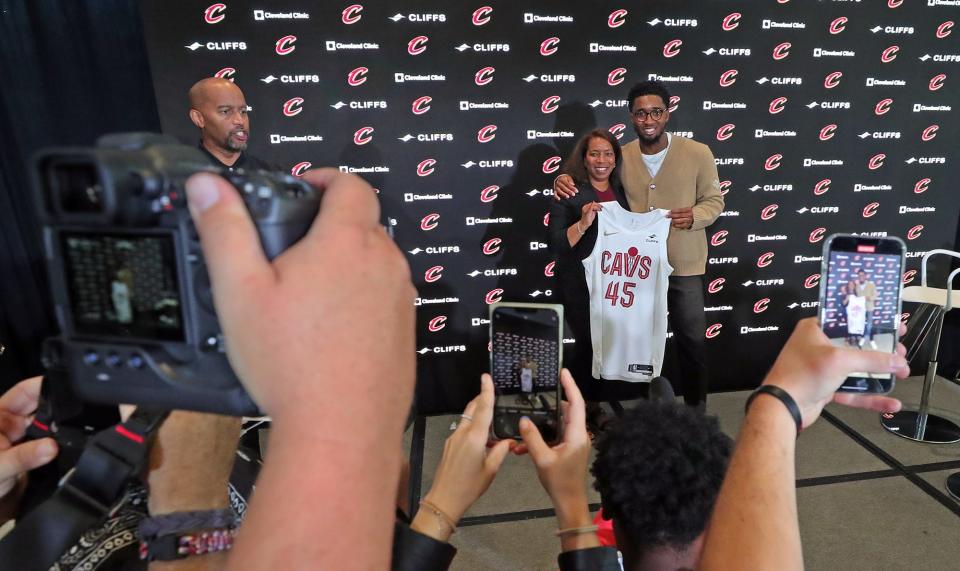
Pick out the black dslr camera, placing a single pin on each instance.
(127, 274)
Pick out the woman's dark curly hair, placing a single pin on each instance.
(575, 166)
(658, 470)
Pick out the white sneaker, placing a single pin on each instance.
(873, 345)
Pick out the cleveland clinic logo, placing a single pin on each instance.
(936, 82)
(616, 76)
(293, 106)
(215, 13)
(489, 194)
(285, 45)
(549, 46)
(672, 48)
(357, 77)
(838, 25)
(550, 104)
(429, 222)
(782, 51)
(417, 45)
(481, 15)
(437, 323)
(363, 135)
(725, 132)
(351, 14)
(617, 18)
(728, 78)
(889, 54)
(491, 246)
(778, 105)
(484, 75)
(425, 168)
(731, 21)
(421, 105)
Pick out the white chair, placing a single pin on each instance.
(919, 425)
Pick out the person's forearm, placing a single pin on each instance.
(573, 513)
(754, 523)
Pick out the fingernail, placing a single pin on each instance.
(46, 451)
(202, 193)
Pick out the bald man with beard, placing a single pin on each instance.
(219, 110)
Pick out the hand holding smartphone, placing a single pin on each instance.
(860, 300)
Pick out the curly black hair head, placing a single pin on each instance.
(658, 470)
(651, 87)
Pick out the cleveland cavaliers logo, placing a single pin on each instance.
(672, 48)
(433, 274)
(486, 134)
(713, 330)
(782, 51)
(889, 54)
(838, 25)
(765, 259)
(549, 46)
(870, 209)
(914, 233)
(817, 234)
(616, 76)
(489, 194)
(491, 246)
(761, 305)
(832, 80)
(778, 105)
(484, 75)
(731, 21)
(437, 323)
(883, 106)
(298, 169)
(551, 165)
(293, 106)
(769, 212)
(812, 281)
(426, 166)
(828, 132)
(417, 45)
(629, 264)
(908, 276)
(719, 238)
(674, 103)
(944, 29)
(429, 222)
(725, 132)
(922, 185)
(876, 161)
(728, 78)
(725, 187)
(617, 18)
(215, 13)
(716, 285)
(936, 82)
(363, 135)
(493, 296)
(351, 14)
(285, 45)
(550, 104)
(929, 133)
(226, 73)
(421, 105)
(357, 76)
(617, 130)
(481, 15)
(894, 3)
(773, 162)
(548, 269)
(822, 187)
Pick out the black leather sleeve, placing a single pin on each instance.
(414, 551)
(591, 559)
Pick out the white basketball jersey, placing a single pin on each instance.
(856, 314)
(627, 275)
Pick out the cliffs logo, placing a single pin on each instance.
(838, 25)
(778, 105)
(731, 21)
(832, 80)
(421, 105)
(812, 281)
(486, 134)
(769, 212)
(765, 259)
(616, 76)
(908, 276)
(674, 103)
(417, 45)
(817, 234)
(725, 187)
(617, 130)
(489, 194)
(226, 73)
(828, 132)
(761, 305)
(944, 29)
(914, 233)
(773, 162)
(550, 104)
(725, 132)
(425, 168)
(922, 186)
(437, 323)
(298, 169)
(719, 238)
(822, 187)
(716, 285)
(617, 18)
(782, 51)
(870, 209)
(215, 13)
(351, 14)
(286, 45)
(883, 106)
(493, 296)
(728, 78)
(876, 161)
(484, 75)
(889, 54)
(936, 82)
(672, 48)
(549, 46)
(429, 222)
(357, 77)
(713, 330)
(293, 106)
(433, 274)
(492, 246)
(548, 269)
(551, 165)
(363, 135)
(929, 133)
(481, 15)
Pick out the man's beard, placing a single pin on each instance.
(234, 145)
(649, 140)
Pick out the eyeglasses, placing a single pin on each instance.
(641, 115)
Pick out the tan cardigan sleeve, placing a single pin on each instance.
(709, 200)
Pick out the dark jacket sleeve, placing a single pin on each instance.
(414, 551)
(562, 216)
(591, 559)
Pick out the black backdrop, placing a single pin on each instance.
(70, 73)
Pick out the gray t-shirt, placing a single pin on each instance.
(653, 162)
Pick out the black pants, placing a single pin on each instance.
(689, 323)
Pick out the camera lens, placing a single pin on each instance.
(76, 187)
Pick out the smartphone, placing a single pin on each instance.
(526, 342)
(860, 289)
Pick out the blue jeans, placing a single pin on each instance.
(868, 325)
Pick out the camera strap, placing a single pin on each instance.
(86, 494)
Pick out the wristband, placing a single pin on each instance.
(576, 530)
(784, 397)
(440, 514)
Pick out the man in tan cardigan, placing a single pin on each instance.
(661, 170)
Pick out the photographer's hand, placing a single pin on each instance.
(322, 338)
(16, 406)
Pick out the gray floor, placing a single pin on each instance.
(867, 499)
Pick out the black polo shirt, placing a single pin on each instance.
(245, 161)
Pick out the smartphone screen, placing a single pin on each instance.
(525, 366)
(860, 301)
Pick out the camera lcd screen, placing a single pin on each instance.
(123, 285)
